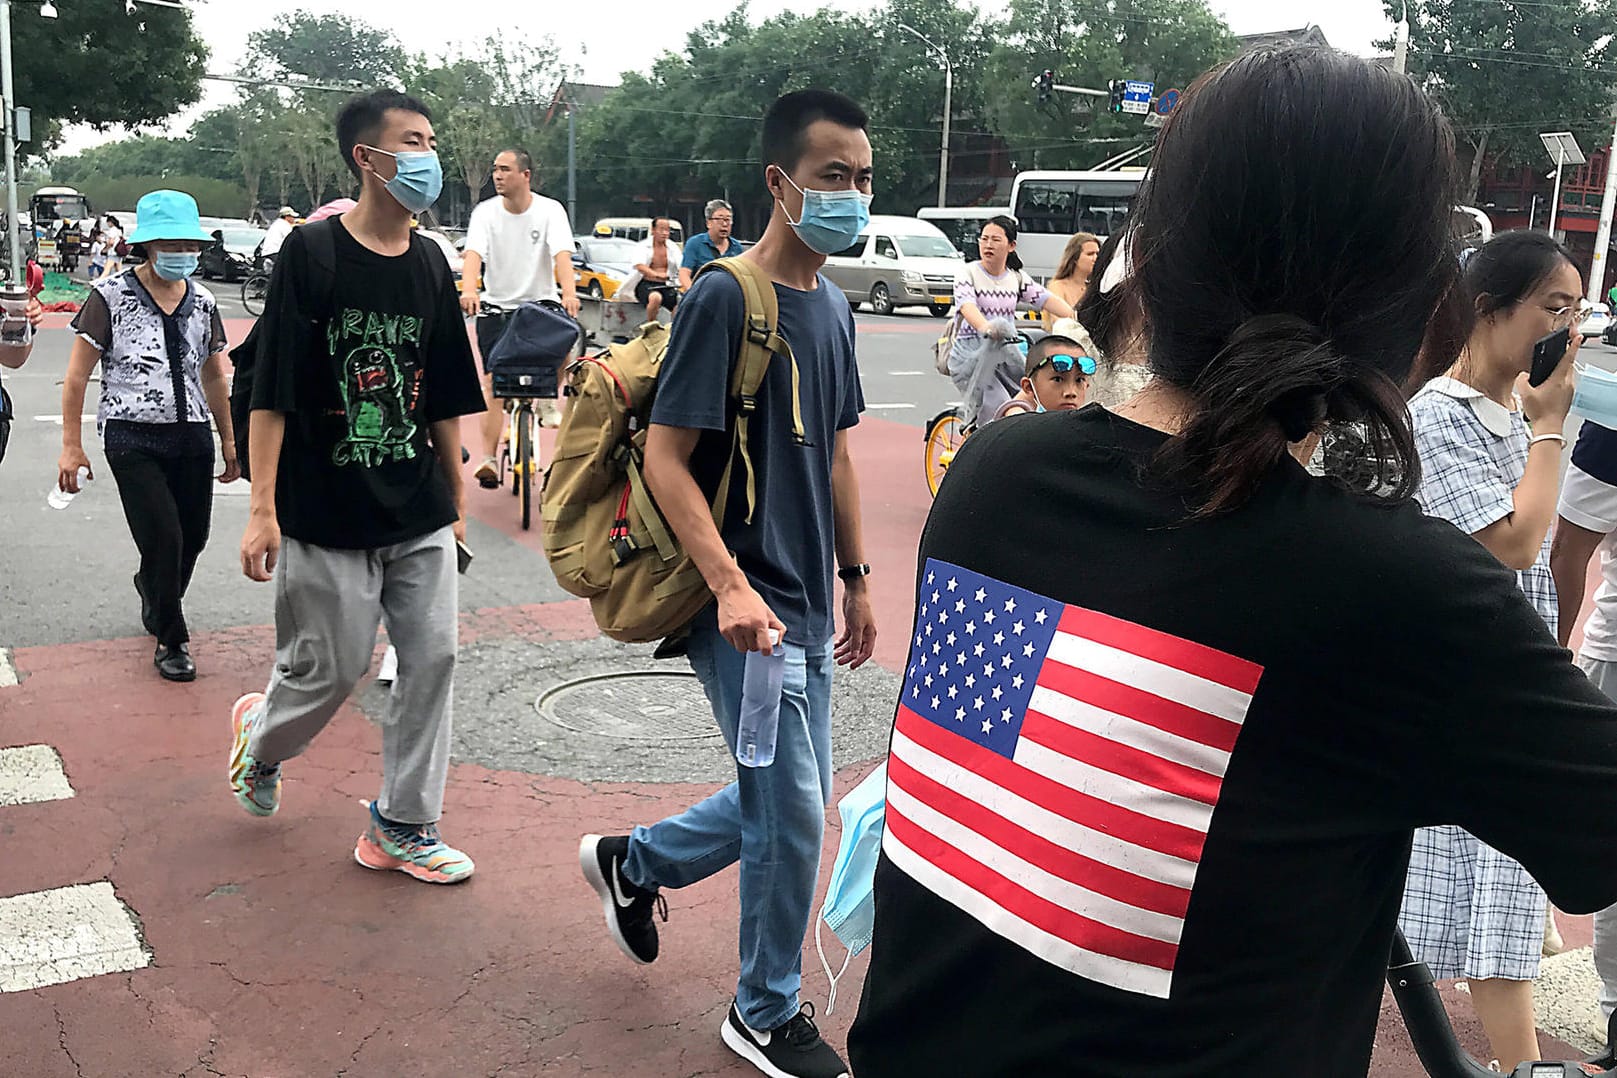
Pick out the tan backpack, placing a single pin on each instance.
(603, 533)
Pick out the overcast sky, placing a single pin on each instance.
(626, 42)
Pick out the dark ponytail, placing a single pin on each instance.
(1305, 291)
(1008, 226)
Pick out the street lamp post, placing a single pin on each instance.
(13, 242)
(948, 103)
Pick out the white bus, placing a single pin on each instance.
(1050, 206)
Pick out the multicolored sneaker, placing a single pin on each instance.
(257, 786)
(412, 848)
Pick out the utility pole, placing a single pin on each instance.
(13, 243)
(1400, 44)
(1608, 201)
(1555, 199)
(948, 108)
(572, 165)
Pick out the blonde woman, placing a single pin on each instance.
(1072, 274)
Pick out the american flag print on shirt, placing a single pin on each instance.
(1054, 772)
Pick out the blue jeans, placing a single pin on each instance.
(771, 819)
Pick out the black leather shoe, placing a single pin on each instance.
(175, 663)
(145, 608)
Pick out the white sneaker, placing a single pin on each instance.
(390, 666)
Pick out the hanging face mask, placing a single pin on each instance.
(831, 220)
(418, 180)
(1596, 396)
(850, 900)
(175, 265)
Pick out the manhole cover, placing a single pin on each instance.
(637, 705)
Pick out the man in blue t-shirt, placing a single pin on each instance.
(714, 243)
(770, 575)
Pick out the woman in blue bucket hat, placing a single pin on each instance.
(161, 347)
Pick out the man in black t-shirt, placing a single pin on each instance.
(362, 373)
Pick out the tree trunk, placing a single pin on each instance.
(1479, 151)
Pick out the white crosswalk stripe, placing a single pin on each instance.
(30, 774)
(64, 934)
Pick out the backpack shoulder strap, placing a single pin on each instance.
(321, 241)
(760, 342)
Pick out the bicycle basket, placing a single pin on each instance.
(537, 340)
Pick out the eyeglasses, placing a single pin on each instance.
(1567, 317)
(1063, 363)
(720, 220)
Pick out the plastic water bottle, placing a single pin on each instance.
(761, 681)
(57, 498)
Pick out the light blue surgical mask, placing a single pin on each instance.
(1596, 396)
(831, 220)
(175, 265)
(850, 900)
(418, 180)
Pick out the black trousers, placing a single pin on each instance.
(168, 503)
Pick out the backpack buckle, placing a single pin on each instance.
(758, 330)
(749, 404)
(623, 548)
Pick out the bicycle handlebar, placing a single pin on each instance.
(1433, 1036)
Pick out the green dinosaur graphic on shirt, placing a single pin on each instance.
(378, 392)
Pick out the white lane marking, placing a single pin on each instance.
(880, 407)
(8, 672)
(908, 374)
(30, 774)
(65, 934)
(58, 419)
(1566, 999)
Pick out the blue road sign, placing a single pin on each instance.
(1137, 96)
(1167, 101)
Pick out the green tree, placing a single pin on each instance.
(325, 48)
(94, 64)
(1088, 43)
(1506, 70)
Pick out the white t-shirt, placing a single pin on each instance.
(676, 255)
(274, 237)
(519, 249)
(1592, 503)
(110, 238)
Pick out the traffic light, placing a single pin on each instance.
(1115, 90)
(1046, 84)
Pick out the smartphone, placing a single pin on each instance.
(463, 554)
(1547, 355)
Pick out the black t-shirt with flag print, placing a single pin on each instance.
(361, 383)
(1152, 782)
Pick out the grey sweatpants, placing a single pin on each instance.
(328, 604)
(1604, 677)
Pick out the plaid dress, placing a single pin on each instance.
(1468, 910)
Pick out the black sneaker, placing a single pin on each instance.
(628, 908)
(793, 1049)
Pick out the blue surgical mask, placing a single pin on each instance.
(418, 180)
(1596, 396)
(175, 265)
(850, 900)
(831, 220)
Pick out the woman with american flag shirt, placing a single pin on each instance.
(1175, 840)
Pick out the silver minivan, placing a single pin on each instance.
(898, 262)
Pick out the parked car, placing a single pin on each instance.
(602, 263)
(898, 262)
(1598, 322)
(452, 254)
(230, 255)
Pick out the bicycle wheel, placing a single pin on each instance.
(513, 414)
(944, 435)
(525, 461)
(253, 291)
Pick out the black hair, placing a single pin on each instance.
(1043, 347)
(1007, 225)
(524, 158)
(1292, 266)
(654, 221)
(361, 116)
(792, 114)
(1506, 269)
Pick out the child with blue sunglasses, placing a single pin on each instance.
(1056, 378)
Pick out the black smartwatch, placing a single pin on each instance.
(853, 572)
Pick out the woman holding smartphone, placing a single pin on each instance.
(1490, 448)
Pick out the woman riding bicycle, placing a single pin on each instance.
(985, 364)
(1163, 827)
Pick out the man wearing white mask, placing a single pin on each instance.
(772, 576)
(361, 375)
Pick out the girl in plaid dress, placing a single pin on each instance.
(1490, 449)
